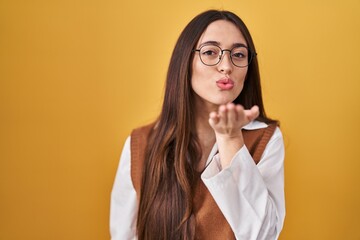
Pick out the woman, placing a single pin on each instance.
(211, 166)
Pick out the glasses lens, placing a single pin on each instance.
(209, 54)
(240, 56)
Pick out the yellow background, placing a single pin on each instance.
(77, 76)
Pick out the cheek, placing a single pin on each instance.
(197, 68)
(200, 73)
(241, 75)
(240, 79)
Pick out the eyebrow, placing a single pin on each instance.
(218, 44)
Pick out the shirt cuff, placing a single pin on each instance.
(217, 177)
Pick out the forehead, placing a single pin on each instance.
(224, 32)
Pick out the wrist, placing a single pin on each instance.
(230, 138)
(228, 146)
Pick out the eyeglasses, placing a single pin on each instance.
(211, 55)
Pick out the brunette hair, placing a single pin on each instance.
(173, 151)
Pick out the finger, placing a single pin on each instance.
(231, 114)
(239, 111)
(253, 113)
(212, 123)
(222, 114)
(214, 118)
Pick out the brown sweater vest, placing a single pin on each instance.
(210, 221)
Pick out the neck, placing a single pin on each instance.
(204, 132)
(202, 112)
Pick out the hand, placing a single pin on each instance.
(227, 124)
(231, 118)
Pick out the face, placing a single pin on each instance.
(221, 83)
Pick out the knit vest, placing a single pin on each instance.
(210, 221)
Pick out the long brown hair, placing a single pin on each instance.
(173, 151)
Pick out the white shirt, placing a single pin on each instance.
(250, 196)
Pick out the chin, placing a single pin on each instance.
(223, 101)
(226, 100)
(216, 100)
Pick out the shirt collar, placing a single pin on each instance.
(255, 125)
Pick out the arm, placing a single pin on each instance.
(251, 196)
(227, 125)
(123, 209)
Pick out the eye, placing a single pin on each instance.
(210, 51)
(239, 53)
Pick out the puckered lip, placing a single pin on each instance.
(225, 80)
(225, 84)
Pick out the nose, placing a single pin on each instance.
(225, 65)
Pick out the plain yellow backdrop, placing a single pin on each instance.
(77, 76)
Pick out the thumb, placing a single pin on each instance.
(253, 113)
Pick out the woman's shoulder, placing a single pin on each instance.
(143, 130)
(257, 125)
(146, 127)
(253, 125)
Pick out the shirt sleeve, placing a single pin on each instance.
(251, 196)
(123, 206)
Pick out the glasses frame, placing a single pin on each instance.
(250, 56)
